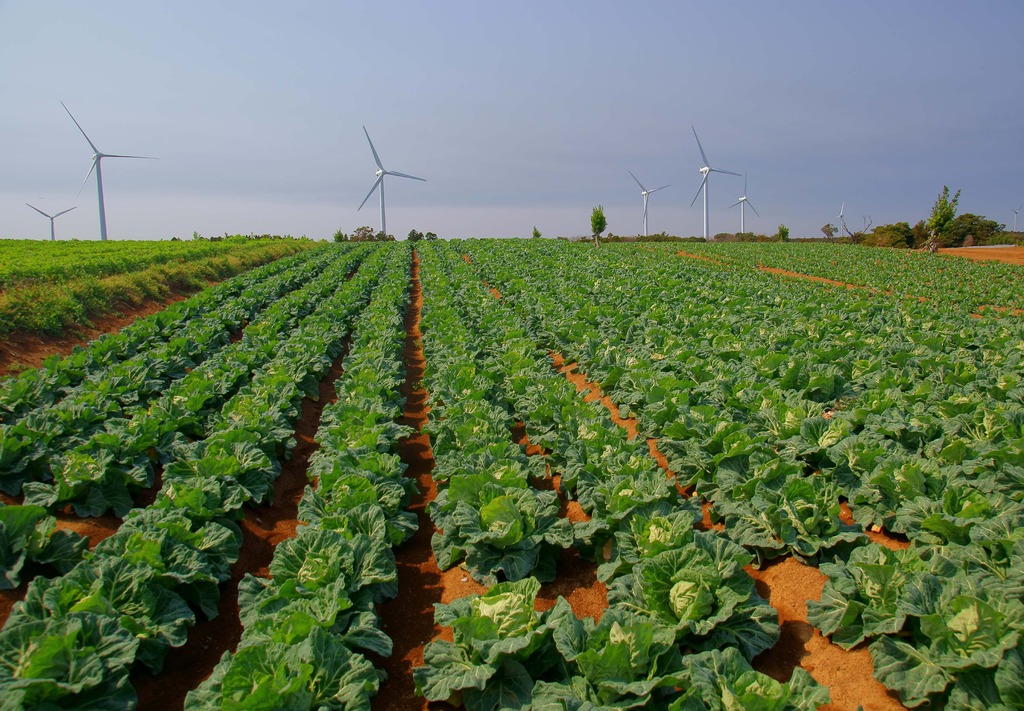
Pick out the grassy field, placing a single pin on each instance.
(47, 287)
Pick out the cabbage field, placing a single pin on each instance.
(529, 474)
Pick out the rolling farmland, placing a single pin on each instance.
(728, 476)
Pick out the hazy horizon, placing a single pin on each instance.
(517, 116)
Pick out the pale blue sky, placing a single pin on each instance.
(517, 114)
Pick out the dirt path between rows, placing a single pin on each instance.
(409, 618)
(849, 675)
(262, 529)
(808, 277)
(702, 258)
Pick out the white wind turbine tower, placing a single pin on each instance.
(98, 156)
(1015, 213)
(380, 182)
(706, 170)
(646, 193)
(842, 220)
(743, 202)
(53, 235)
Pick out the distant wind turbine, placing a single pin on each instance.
(380, 182)
(706, 170)
(842, 220)
(1015, 213)
(742, 202)
(646, 193)
(53, 234)
(98, 156)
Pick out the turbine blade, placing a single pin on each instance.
(114, 155)
(657, 189)
(381, 178)
(403, 175)
(637, 181)
(40, 211)
(63, 211)
(727, 172)
(91, 144)
(376, 158)
(87, 176)
(700, 147)
(699, 189)
(753, 208)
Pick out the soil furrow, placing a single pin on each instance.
(409, 618)
(576, 579)
(808, 277)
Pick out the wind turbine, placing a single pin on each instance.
(742, 202)
(842, 220)
(645, 192)
(98, 156)
(706, 170)
(1015, 213)
(53, 236)
(380, 182)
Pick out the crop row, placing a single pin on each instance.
(775, 404)
(74, 638)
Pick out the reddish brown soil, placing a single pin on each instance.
(577, 582)
(593, 392)
(577, 578)
(1010, 255)
(698, 256)
(262, 529)
(28, 350)
(95, 528)
(797, 275)
(494, 292)
(876, 534)
(409, 618)
(787, 585)
(8, 598)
